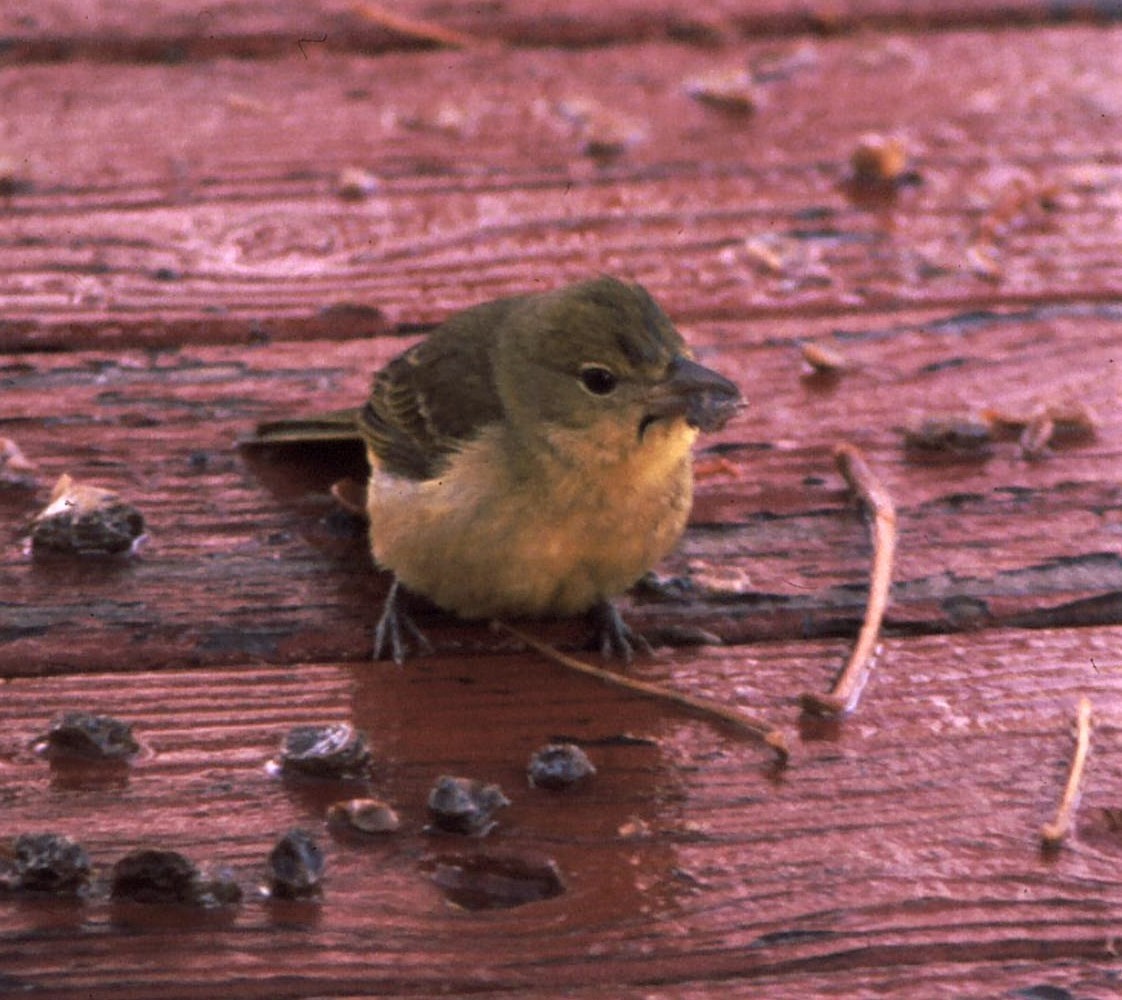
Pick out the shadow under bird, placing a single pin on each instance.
(530, 457)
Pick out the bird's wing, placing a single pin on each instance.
(439, 394)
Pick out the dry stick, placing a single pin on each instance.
(1054, 833)
(411, 27)
(757, 728)
(871, 492)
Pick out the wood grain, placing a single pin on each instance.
(930, 800)
(178, 261)
(171, 31)
(775, 550)
(207, 209)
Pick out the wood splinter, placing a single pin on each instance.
(1053, 834)
(872, 494)
(757, 728)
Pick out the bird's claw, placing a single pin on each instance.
(393, 627)
(615, 636)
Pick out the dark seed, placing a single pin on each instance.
(296, 865)
(85, 520)
(81, 734)
(559, 765)
(154, 876)
(50, 862)
(464, 805)
(335, 751)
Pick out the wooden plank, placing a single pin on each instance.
(169, 31)
(901, 845)
(232, 229)
(177, 262)
(775, 550)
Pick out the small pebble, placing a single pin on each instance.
(94, 737)
(464, 805)
(559, 765)
(296, 866)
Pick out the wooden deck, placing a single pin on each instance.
(179, 258)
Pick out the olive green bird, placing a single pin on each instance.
(531, 457)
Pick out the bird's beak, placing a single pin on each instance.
(706, 400)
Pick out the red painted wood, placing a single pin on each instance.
(177, 263)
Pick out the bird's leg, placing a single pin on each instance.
(614, 635)
(393, 622)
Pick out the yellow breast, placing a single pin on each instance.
(483, 540)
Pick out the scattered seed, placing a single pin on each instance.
(879, 159)
(333, 751)
(731, 91)
(44, 862)
(218, 888)
(465, 805)
(604, 133)
(92, 737)
(823, 359)
(355, 184)
(151, 875)
(983, 260)
(296, 866)
(365, 816)
(559, 765)
(634, 828)
(85, 520)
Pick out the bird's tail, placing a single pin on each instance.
(336, 427)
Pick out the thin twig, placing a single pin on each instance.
(872, 494)
(759, 729)
(1054, 833)
(416, 28)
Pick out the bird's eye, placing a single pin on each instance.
(598, 380)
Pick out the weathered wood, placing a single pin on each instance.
(930, 800)
(776, 549)
(208, 210)
(178, 260)
(172, 31)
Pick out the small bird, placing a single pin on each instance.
(530, 457)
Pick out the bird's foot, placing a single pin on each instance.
(393, 628)
(615, 637)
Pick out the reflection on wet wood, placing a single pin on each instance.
(686, 848)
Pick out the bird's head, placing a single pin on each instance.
(601, 356)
